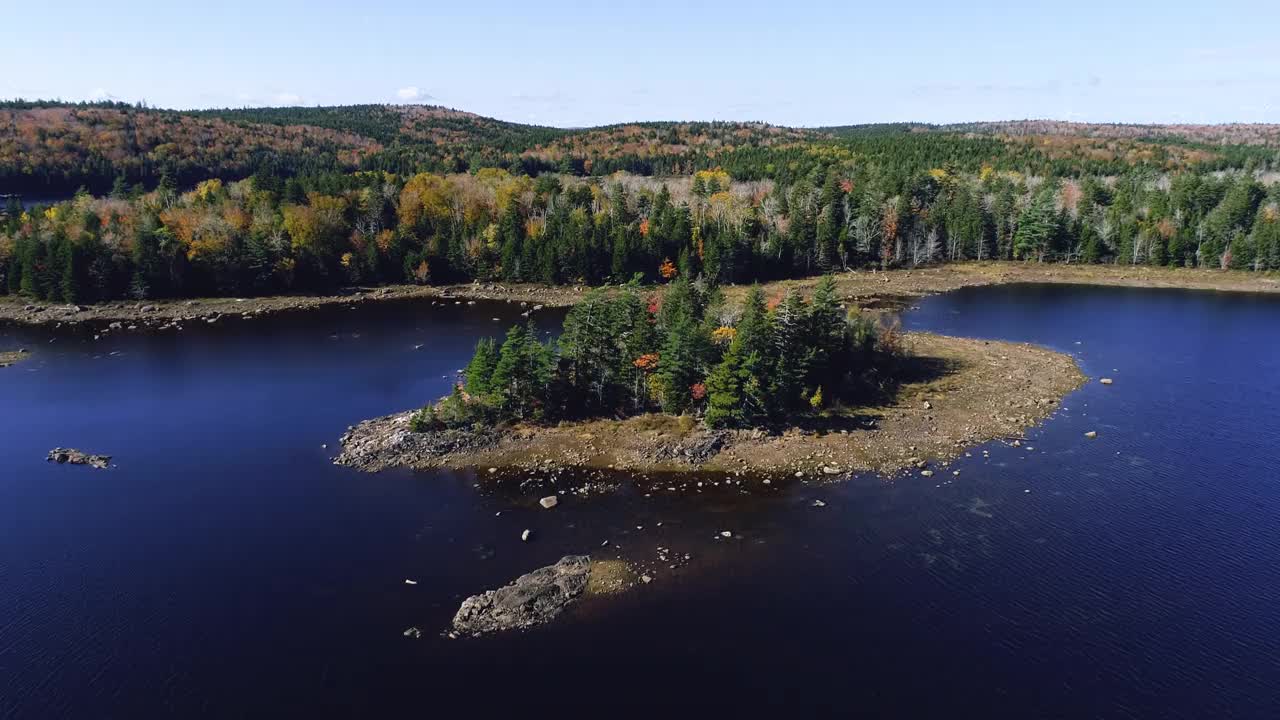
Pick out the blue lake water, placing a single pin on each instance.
(224, 568)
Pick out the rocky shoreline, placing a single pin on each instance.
(866, 288)
(174, 314)
(979, 391)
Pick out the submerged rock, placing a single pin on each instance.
(70, 456)
(9, 358)
(532, 599)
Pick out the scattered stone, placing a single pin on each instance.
(646, 579)
(726, 534)
(549, 501)
(1106, 381)
(1091, 434)
(532, 599)
(524, 536)
(695, 449)
(75, 457)
(413, 632)
(410, 582)
(819, 503)
(9, 358)
(927, 473)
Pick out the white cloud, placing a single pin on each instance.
(413, 93)
(288, 99)
(100, 94)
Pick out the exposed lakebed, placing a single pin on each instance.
(223, 566)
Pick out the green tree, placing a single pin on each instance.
(479, 372)
(522, 374)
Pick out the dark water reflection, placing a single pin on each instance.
(225, 568)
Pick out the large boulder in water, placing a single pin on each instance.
(75, 457)
(533, 598)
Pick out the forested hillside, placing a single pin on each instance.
(307, 199)
(59, 148)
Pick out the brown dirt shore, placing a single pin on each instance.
(966, 392)
(865, 287)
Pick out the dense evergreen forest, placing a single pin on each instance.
(682, 351)
(381, 194)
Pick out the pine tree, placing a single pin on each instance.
(725, 390)
(479, 372)
(826, 335)
(522, 373)
(791, 356)
(591, 352)
(684, 345)
(1037, 227)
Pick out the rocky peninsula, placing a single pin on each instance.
(964, 392)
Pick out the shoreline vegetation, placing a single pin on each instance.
(869, 289)
(688, 380)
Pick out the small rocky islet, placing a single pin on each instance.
(71, 456)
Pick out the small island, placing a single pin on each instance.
(685, 379)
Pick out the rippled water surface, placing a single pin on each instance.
(225, 568)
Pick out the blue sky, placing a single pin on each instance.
(567, 63)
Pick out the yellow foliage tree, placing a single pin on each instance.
(208, 190)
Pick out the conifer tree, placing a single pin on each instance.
(791, 355)
(522, 373)
(479, 372)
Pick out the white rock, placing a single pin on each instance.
(549, 501)
(524, 536)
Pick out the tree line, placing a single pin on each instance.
(269, 235)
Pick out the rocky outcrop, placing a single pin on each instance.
(533, 599)
(70, 456)
(387, 442)
(695, 449)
